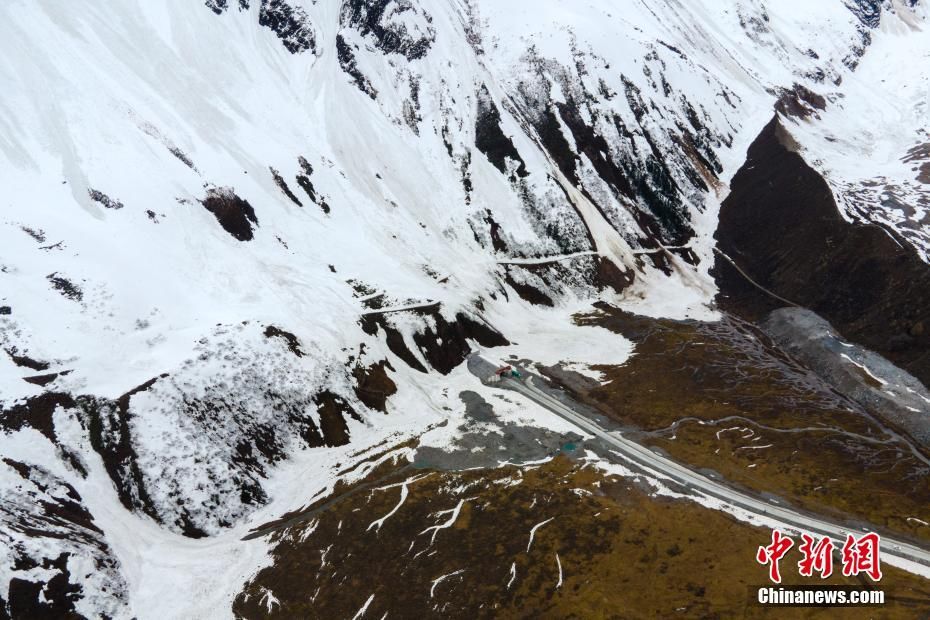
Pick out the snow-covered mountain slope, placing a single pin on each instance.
(208, 206)
(880, 114)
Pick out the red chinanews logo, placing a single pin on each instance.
(859, 555)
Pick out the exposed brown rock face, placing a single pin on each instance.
(781, 225)
(234, 214)
(444, 344)
(374, 385)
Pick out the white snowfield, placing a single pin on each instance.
(348, 170)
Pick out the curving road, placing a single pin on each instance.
(655, 463)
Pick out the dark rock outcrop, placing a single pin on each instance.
(490, 139)
(65, 286)
(45, 524)
(35, 412)
(24, 361)
(303, 179)
(293, 343)
(781, 225)
(800, 102)
(234, 214)
(445, 344)
(290, 23)
(333, 410)
(869, 12)
(108, 424)
(373, 323)
(373, 385)
(103, 200)
(349, 65)
(282, 185)
(373, 18)
(442, 343)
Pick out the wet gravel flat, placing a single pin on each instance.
(487, 442)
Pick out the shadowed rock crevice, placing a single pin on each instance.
(654, 185)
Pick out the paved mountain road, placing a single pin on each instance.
(660, 466)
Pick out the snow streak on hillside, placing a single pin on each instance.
(208, 206)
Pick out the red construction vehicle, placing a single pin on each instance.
(507, 371)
